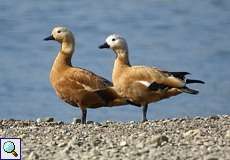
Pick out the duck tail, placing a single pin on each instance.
(188, 81)
(189, 90)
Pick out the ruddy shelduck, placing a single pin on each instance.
(142, 85)
(76, 86)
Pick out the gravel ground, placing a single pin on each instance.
(174, 139)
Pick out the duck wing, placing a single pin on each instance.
(77, 86)
(156, 79)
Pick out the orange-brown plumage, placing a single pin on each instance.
(141, 84)
(76, 86)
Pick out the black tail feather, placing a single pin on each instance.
(194, 81)
(188, 90)
(180, 75)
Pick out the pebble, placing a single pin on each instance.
(90, 122)
(97, 124)
(52, 143)
(132, 122)
(96, 142)
(76, 121)
(58, 137)
(60, 122)
(227, 135)
(63, 144)
(192, 133)
(140, 145)
(214, 117)
(109, 122)
(193, 138)
(158, 140)
(67, 149)
(123, 143)
(210, 158)
(45, 119)
(33, 156)
(22, 136)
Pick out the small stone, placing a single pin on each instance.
(140, 145)
(96, 142)
(60, 123)
(49, 119)
(62, 144)
(131, 122)
(38, 120)
(45, 119)
(227, 135)
(158, 140)
(96, 123)
(108, 122)
(51, 144)
(142, 135)
(33, 156)
(192, 133)
(105, 125)
(123, 143)
(90, 122)
(225, 116)
(214, 117)
(67, 149)
(174, 119)
(22, 136)
(76, 121)
(62, 155)
(208, 143)
(114, 150)
(58, 137)
(79, 143)
(211, 158)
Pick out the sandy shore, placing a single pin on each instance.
(173, 139)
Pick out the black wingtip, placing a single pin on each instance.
(155, 86)
(189, 91)
(180, 75)
(132, 103)
(188, 81)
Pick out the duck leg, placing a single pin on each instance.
(144, 110)
(83, 116)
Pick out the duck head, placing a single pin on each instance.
(60, 34)
(115, 42)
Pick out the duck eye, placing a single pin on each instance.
(113, 39)
(59, 31)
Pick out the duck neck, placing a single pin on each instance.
(122, 57)
(121, 63)
(64, 56)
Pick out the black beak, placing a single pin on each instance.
(105, 45)
(49, 38)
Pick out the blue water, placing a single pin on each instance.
(176, 35)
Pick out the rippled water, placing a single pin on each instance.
(176, 35)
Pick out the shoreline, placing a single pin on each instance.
(205, 138)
